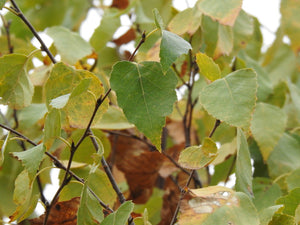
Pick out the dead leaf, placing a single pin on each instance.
(62, 213)
(125, 38)
(120, 4)
(139, 165)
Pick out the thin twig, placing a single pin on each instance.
(21, 15)
(143, 39)
(109, 174)
(6, 25)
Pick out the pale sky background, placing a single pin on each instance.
(267, 12)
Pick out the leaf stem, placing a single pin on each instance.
(19, 13)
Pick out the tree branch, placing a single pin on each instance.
(34, 32)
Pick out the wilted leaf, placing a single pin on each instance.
(225, 12)
(120, 216)
(217, 205)
(243, 169)
(65, 80)
(186, 21)
(70, 46)
(196, 157)
(16, 89)
(62, 213)
(232, 98)
(139, 165)
(31, 159)
(145, 94)
(267, 127)
(208, 67)
(172, 46)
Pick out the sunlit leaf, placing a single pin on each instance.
(208, 67)
(120, 216)
(225, 12)
(2, 3)
(145, 94)
(293, 179)
(16, 89)
(232, 98)
(196, 157)
(217, 205)
(31, 158)
(290, 201)
(64, 80)
(243, 169)
(186, 21)
(172, 46)
(70, 46)
(267, 127)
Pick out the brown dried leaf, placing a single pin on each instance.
(62, 213)
(120, 4)
(125, 38)
(139, 165)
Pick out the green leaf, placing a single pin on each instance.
(279, 219)
(2, 3)
(171, 47)
(290, 201)
(225, 41)
(290, 21)
(210, 34)
(65, 80)
(266, 214)
(158, 20)
(265, 193)
(15, 87)
(282, 161)
(208, 67)
(31, 158)
(232, 98)
(24, 197)
(89, 211)
(225, 12)
(113, 119)
(297, 214)
(145, 94)
(267, 127)
(243, 169)
(120, 216)
(61, 101)
(52, 127)
(217, 205)
(70, 46)
(3, 147)
(293, 179)
(110, 22)
(197, 157)
(186, 21)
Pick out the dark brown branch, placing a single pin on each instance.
(34, 32)
(143, 39)
(6, 25)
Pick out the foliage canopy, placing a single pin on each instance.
(149, 136)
